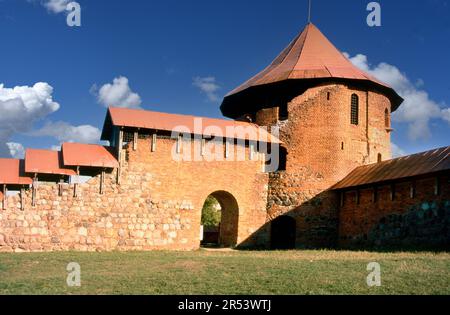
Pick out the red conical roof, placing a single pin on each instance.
(310, 56)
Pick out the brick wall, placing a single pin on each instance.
(157, 206)
(159, 200)
(323, 147)
(402, 214)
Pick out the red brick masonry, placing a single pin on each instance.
(405, 213)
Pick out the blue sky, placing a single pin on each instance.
(184, 56)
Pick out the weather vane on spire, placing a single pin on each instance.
(309, 12)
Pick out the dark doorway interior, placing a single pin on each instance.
(283, 233)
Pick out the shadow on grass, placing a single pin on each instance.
(370, 249)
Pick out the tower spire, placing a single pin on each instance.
(309, 11)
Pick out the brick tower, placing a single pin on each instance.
(332, 117)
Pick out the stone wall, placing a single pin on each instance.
(413, 213)
(158, 203)
(156, 206)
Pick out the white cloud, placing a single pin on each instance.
(16, 150)
(446, 114)
(208, 86)
(397, 151)
(418, 108)
(56, 6)
(20, 108)
(65, 132)
(117, 94)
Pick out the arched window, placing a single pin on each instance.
(387, 119)
(380, 158)
(354, 112)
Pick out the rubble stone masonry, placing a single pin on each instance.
(156, 206)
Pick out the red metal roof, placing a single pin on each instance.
(124, 117)
(90, 155)
(309, 56)
(408, 166)
(46, 162)
(12, 172)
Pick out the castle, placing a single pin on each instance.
(334, 185)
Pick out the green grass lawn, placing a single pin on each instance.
(225, 272)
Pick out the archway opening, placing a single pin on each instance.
(211, 217)
(220, 216)
(283, 233)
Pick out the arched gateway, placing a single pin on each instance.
(225, 233)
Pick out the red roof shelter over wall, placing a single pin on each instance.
(46, 162)
(12, 172)
(429, 162)
(88, 155)
(124, 117)
(20, 172)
